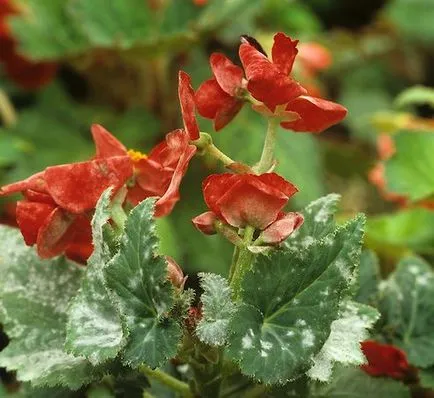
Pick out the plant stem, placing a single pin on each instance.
(7, 110)
(267, 157)
(243, 262)
(177, 385)
(219, 155)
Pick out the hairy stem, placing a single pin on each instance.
(244, 260)
(205, 146)
(7, 110)
(177, 385)
(267, 157)
(219, 155)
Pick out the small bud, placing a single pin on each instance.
(279, 230)
(174, 273)
(205, 223)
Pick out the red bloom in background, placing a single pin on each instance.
(160, 173)
(314, 57)
(220, 98)
(248, 199)
(25, 73)
(55, 214)
(269, 82)
(385, 360)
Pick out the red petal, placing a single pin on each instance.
(228, 75)
(226, 113)
(30, 217)
(165, 204)
(214, 187)
(54, 235)
(80, 247)
(205, 223)
(280, 229)
(35, 196)
(284, 52)
(266, 82)
(278, 183)
(36, 182)
(385, 360)
(385, 146)
(316, 114)
(186, 99)
(106, 144)
(77, 187)
(210, 98)
(251, 202)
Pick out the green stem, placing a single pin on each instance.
(7, 110)
(244, 260)
(267, 157)
(177, 385)
(216, 153)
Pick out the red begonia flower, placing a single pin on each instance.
(160, 173)
(55, 214)
(316, 114)
(220, 98)
(245, 199)
(269, 81)
(385, 360)
(314, 57)
(187, 102)
(25, 73)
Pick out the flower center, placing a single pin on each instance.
(136, 156)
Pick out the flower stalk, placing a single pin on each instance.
(176, 385)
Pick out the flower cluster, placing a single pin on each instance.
(27, 74)
(267, 83)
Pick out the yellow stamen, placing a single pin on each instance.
(136, 155)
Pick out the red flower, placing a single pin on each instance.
(314, 57)
(160, 173)
(220, 98)
(27, 74)
(385, 360)
(55, 214)
(186, 100)
(269, 82)
(248, 199)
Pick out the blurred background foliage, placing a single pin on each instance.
(117, 65)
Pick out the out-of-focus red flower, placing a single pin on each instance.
(248, 199)
(188, 106)
(385, 360)
(160, 174)
(55, 214)
(9, 214)
(221, 98)
(25, 73)
(270, 83)
(314, 57)
(200, 3)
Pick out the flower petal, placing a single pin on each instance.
(80, 248)
(214, 187)
(280, 229)
(205, 222)
(30, 217)
(106, 144)
(186, 99)
(77, 187)
(284, 52)
(36, 182)
(228, 75)
(316, 114)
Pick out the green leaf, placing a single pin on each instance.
(407, 307)
(343, 343)
(290, 300)
(138, 279)
(34, 300)
(94, 328)
(369, 277)
(318, 222)
(416, 95)
(354, 383)
(409, 171)
(396, 233)
(217, 309)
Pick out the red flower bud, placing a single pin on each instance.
(385, 360)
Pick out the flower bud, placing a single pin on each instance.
(205, 223)
(174, 273)
(279, 230)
